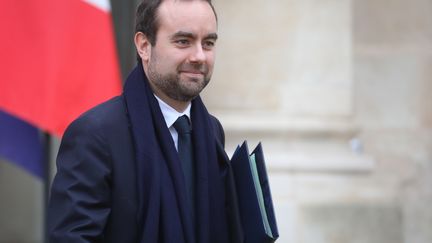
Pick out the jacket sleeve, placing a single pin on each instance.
(80, 195)
(231, 205)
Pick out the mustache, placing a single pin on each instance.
(194, 68)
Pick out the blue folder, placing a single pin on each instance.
(254, 198)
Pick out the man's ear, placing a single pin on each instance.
(143, 46)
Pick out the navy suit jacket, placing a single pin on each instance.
(102, 138)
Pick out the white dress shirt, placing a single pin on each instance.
(170, 115)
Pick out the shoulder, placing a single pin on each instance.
(109, 114)
(91, 140)
(106, 111)
(100, 126)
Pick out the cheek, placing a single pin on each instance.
(167, 58)
(210, 59)
(167, 64)
(176, 59)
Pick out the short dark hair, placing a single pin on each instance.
(146, 19)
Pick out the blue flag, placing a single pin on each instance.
(21, 144)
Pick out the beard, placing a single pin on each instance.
(176, 87)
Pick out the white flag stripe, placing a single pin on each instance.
(104, 5)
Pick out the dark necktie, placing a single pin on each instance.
(185, 152)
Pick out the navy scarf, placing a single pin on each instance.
(163, 212)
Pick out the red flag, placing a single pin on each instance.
(58, 59)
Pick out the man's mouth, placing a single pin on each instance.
(193, 69)
(193, 74)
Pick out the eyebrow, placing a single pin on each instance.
(192, 36)
(212, 36)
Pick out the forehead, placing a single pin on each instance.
(192, 16)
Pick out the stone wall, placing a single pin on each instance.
(338, 92)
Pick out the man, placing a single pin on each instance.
(125, 170)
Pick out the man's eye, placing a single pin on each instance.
(182, 42)
(209, 44)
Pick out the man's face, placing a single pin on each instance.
(181, 61)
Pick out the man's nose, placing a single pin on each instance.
(198, 54)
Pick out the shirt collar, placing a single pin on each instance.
(170, 114)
